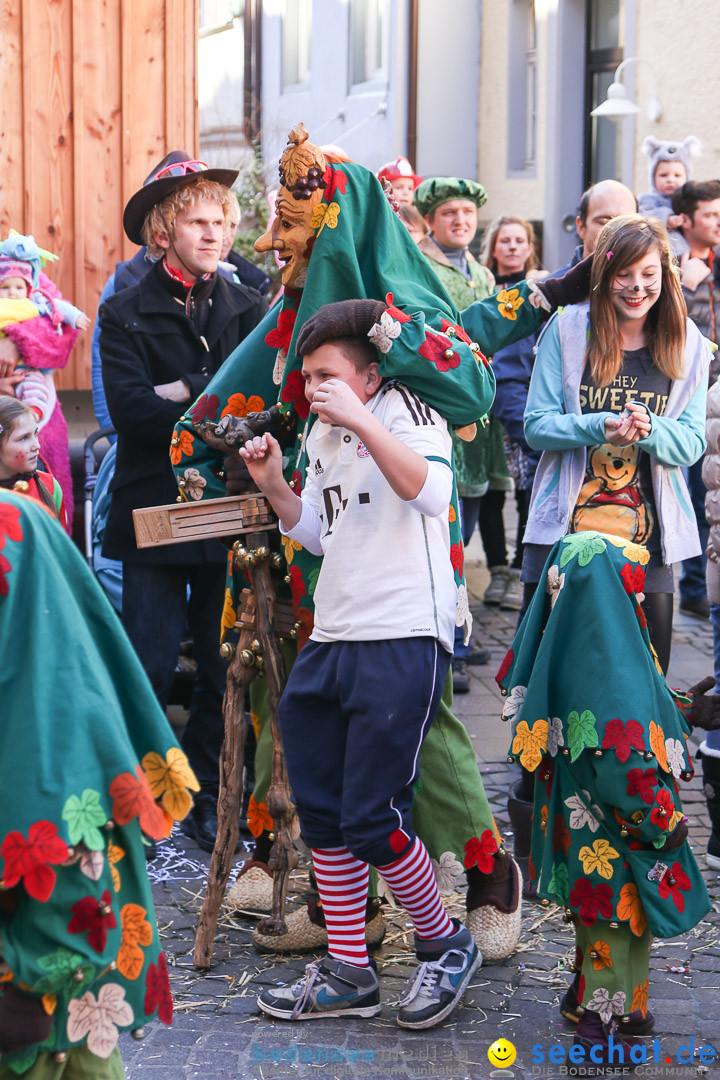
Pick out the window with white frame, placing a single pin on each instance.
(296, 31)
(522, 88)
(369, 35)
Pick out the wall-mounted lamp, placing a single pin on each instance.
(617, 105)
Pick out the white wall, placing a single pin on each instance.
(448, 77)
(366, 135)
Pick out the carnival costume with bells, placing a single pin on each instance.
(89, 763)
(607, 740)
(339, 239)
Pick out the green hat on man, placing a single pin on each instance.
(442, 189)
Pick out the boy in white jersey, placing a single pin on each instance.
(365, 688)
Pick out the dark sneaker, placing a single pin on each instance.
(460, 677)
(697, 606)
(329, 987)
(446, 967)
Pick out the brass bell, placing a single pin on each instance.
(545, 902)
(592, 953)
(510, 759)
(504, 718)
(227, 650)
(508, 305)
(686, 775)
(181, 484)
(175, 441)
(448, 354)
(247, 658)
(598, 752)
(262, 553)
(60, 1056)
(179, 499)
(22, 486)
(624, 831)
(671, 881)
(79, 975)
(451, 331)
(138, 1033)
(255, 645)
(241, 556)
(112, 966)
(221, 474)
(105, 909)
(276, 561)
(297, 626)
(648, 755)
(109, 824)
(662, 812)
(475, 347)
(292, 484)
(293, 633)
(614, 926)
(260, 663)
(566, 752)
(503, 692)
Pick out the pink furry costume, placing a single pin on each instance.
(45, 346)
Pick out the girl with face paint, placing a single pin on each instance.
(19, 457)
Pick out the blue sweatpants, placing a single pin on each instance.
(353, 717)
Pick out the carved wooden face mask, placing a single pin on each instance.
(302, 167)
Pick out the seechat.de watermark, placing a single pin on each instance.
(617, 1057)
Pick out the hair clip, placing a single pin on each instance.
(609, 255)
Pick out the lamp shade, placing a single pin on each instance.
(616, 103)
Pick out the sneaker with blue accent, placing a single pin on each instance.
(329, 987)
(442, 977)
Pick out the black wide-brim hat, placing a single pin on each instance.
(154, 191)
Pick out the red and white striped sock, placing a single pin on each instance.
(412, 880)
(342, 882)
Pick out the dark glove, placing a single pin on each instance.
(677, 837)
(237, 478)
(705, 712)
(23, 1020)
(344, 318)
(572, 288)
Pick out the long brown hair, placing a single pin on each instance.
(622, 242)
(10, 412)
(487, 255)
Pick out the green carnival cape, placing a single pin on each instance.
(88, 759)
(362, 250)
(594, 718)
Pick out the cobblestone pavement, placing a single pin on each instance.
(217, 1031)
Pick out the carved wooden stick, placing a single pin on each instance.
(283, 858)
(232, 762)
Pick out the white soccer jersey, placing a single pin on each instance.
(386, 570)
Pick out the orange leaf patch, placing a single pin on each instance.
(136, 931)
(132, 798)
(630, 909)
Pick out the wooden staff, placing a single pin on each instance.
(258, 650)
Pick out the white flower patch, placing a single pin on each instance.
(555, 582)
(383, 334)
(676, 756)
(581, 816)
(607, 1006)
(446, 870)
(512, 706)
(97, 1018)
(194, 483)
(279, 369)
(555, 739)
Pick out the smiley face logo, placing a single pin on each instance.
(502, 1053)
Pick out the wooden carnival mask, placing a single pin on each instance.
(302, 167)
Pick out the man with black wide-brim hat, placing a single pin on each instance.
(161, 341)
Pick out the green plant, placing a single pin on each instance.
(251, 191)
